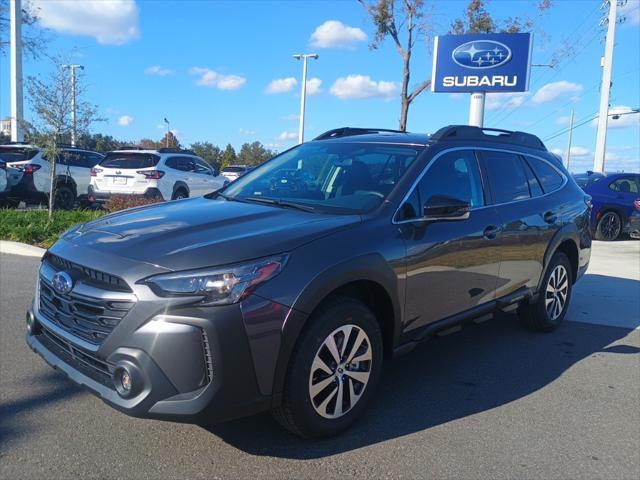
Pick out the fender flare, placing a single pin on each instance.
(609, 207)
(567, 232)
(180, 184)
(371, 267)
(67, 180)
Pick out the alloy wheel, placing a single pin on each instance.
(557, 290)
(340, 371)
(610, 226)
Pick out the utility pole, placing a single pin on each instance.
(476, 109)
(605, 88)
(74, 132)
(303, 95)
(568, 156)
(17, 111)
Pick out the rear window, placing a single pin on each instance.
(17, 154)
(234, 169)
(130, 160)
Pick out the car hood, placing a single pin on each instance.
(203, 232)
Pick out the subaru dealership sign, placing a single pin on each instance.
(490, 62)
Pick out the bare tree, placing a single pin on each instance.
(34, 37)
(477, 19)
(50, 98)
(404, 21)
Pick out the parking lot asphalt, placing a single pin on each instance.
(492, 401)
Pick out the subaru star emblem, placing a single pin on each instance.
(62, 282)
(481, 54)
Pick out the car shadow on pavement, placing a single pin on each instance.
(480, 368)
(49, 388)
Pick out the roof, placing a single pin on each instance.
(384, 137)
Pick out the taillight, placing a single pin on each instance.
(588, 202)
(95, 171)
(151, 174)
(30, 168)
(636, 204)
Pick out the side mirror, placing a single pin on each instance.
(443, 207)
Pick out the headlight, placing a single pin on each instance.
(218, 286)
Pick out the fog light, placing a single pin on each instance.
(32, 325)
(123, 382)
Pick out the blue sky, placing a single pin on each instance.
(208, 66)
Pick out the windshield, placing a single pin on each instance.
(329, 176)
(129, 160)
(13, 154)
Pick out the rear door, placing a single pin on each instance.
(625, 190)
(529, 218)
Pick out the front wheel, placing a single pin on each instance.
(64, 198)
(609, 227)
(333, 370)
(546, 314)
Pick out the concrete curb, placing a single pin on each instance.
(17, 248)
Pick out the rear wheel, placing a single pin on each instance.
(64, 198)
(333, 370)
(546, 314)
(609, 227)
(179, 194)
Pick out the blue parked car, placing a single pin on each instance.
(616, 203)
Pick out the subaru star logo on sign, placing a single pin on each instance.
(62, 282)
(496, 62)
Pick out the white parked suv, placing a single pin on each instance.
(30, 177)
(166, 173)
(233, 172)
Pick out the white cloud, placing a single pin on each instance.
(551, 91)
(292, 117)
(281, 85)
(509, 100)
(313, 86)
(110, 22)
(244, 131)
(580, 151)
(212, 79)
(564, 120)
(125, 120)
(158, 70)
(627, 119)
(361, 86)
(333, 33)
(630, 11)
(287, 136)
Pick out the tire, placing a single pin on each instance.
(314, 382)
(179, 194)
(609, 227)
(547, 313)
(65, 198)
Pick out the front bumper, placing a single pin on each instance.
(166, 360)
(632, 226)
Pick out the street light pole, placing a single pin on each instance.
(166, 140)
(17, 112)
(570, 139)
(303, 95)
(74, 132)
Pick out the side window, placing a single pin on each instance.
(534, 184)
(172, 162)
(548, 176)
(454, 174)
(186, 164)
(624, 185)
(202, 167)
(506, 176)
(92, 159)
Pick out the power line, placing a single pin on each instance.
(574, 127)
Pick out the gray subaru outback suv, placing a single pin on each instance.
(287, 289)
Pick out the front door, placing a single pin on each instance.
(452, 266)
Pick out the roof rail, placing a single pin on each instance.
(466, 132)
(175, 150)
(350, 131)
(130, 147)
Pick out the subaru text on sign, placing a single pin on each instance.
(497, 62)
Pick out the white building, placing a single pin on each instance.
(5, 126)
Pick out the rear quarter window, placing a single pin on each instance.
(507, 176)
(130, 160)
(549, 178)
(17, 154)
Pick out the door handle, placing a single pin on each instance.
(550, 217)
(491, 232)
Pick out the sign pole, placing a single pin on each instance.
(476, 109)
(17, 114)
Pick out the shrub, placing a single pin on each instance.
(122, 202)
(33, 226)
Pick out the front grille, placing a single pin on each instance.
(89, 318)
(80, 359)
(95, 277)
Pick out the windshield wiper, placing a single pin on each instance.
(281, 203)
